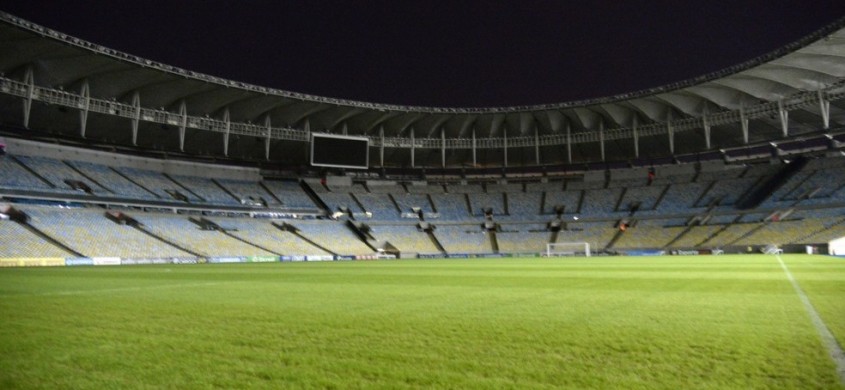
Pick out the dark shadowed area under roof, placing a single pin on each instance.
(441, 54)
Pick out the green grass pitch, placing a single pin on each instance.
(711, 322)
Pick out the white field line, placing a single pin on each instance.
(833, 347)
(111, 290)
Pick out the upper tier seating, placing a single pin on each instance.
(451, 206)
(16, 176)
(646, 197)
(570, 200)
(291, 194)
(425, 189)
(380, 205)
(407, 202)
(109, 178)
(157, 183)
(600, 202)
(481, 201)
(206, 188)
(338, 201)
(681, 197)
(248, 191)
(524, 205)
(57, 173)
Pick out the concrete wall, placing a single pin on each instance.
(40, 149)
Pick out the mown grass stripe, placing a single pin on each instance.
(110, 290)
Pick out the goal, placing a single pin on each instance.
(568, 249)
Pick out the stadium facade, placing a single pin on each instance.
(161, 164)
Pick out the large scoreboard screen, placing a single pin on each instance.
(340, 151)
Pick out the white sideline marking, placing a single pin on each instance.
(833, 347)
(109, 290)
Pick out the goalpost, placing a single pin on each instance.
(568, 249)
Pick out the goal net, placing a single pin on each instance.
(568, 249)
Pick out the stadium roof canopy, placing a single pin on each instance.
(74, 90)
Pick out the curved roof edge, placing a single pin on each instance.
(99, 49)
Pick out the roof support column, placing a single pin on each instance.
(29, 80)
(136, 116)
(636, 137)
(345, 129)
(268, 128)
(307, 127)
(227, 119)
(443, 147)
(784, 118)
(381, 146)
(706, 122)
(413, 147)
(671, 132)
(824, 106)
(183, 123)
(568, 142)
(505, 133)
(85, 92)
(536, 146)
(474, 162)
(744, 120)
(601, 138)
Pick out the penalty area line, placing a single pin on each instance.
(833, 347)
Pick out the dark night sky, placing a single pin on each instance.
(452, 53)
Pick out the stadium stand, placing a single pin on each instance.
(248, 192)
(58, 174)
(90, 233)
(17, 241)
(207, 189)
(463, 239)
(157, 183)
(781, 183)
(522, 238)
(407, 202)
(597, 234)
(379, 205)
(341, 201)
(334, 236)
(523, 205)
(695, 236)
(290, 193)
(451, 206)
(15, 176)
(211, 243)
(602, 202)
(109, 178)
(263, 233)
(648, 234)
(406, 238)
(570, 200)
(479, 202)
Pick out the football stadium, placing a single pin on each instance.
(165, 228)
